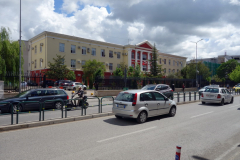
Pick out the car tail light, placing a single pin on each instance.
(134, 100)
(219, 96)
(67, 97)
(172, 90)
(72, 85)
(202, 95)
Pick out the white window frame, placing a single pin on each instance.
(73, 63)
(138, 55)
(61, 47)
(118, 55)
(103, 52)
(110, 54)
(133, 55)
(93, 51)
(110, 66)
(73, 48)
(84, 51)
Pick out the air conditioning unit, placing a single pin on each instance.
(126, 54)
(32, 62)
(41, 60)
(79, 47)
(88, 50)
(79, 61)
(106, 64)
(79, 75)
(32, 48)
(41, 44)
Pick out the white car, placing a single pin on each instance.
(216, 95)
(74, 85)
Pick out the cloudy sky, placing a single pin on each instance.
(173, 25)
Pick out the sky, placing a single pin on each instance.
(172, 25)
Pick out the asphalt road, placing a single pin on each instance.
(205, 132)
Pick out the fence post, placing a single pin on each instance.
(183, 96)
(66, 109)
(17, 113)
(40, 110)
(178, 96)
(198, 96)
(195, 95)
(190, 96)
(82, 107)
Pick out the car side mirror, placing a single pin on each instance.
(157, 89)
(166, 99)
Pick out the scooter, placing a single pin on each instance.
(73, 103)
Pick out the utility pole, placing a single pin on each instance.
(20, 77)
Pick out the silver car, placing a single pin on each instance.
(141, 104)
(75, 85)
(216, 95)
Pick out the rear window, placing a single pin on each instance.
(149, 87)
(127, 97)
(60, 92)
(212, 90)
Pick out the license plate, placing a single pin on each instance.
(120, 106)
(208, 95)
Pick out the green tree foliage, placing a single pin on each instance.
(57, 69)
(216, 78)
(189, 71)
(118, 73)
(135, 72)
(9, 55)
(175, 75)
(209, 79)
(226, 68)
(155, 69)
(235, 74)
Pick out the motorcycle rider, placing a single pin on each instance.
(80, 93)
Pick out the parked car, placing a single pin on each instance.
(48, 83)
(141, 104)
(202, 89)
(75, 85)
(216, 95)
(65, 83)
(32, 83)
(39, 95)
(56, 83)
(162, 88)
(237, 86)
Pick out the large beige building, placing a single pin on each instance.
(45, 46)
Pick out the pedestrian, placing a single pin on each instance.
(183, 87)
(96, 85)
(173, 87)
(198, 86)
(227, 86)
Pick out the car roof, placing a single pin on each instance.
(138, 91)
(45, 89)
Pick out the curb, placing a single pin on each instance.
(50, 122)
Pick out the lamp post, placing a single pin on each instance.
(196, 61)
(20, 76)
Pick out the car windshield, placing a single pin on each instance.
(23, 94)
(212, 90)
(149, 87)
(127, 97)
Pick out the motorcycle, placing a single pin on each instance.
(76, 103)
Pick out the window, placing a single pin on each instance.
(177, 63)
(160, 61)
(133, 55)
(144, 57)
(111, 54)
(158, 97)
(138, 55)
(73, 49)
(146, 97)
(94, 51)
(150, 57)
(169, 62)
(165, 70)
(40, 49)
(177, 70)
(35, 49)
(73, 63)
(169, 70)
(165, 61)
(35, 64)
(62, 62)
(83, 62)
(118, 65)
(181, 64)
(173, 70)
(61, 47)
(40, 63)
(144, 68)
(174, 63)
(133, 65)
(110, 66)
(84, 50)
(118, 55)
(103, 52)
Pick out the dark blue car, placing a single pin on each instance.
(39, 95)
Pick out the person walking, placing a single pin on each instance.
(183, 87)
(96, 85)
(227, 86)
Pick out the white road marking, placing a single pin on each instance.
(201, 114)
(227, 152)
(126, 134)
(234, 106)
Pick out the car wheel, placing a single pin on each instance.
(172, 112)
(203, 102)
(118, 117)
(15, 108)
(58, 105)
(142, 117)
(231, 100)
(222, 102)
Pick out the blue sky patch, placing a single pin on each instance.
(58, 5)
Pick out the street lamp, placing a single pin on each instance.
(196, 61)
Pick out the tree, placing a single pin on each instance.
(209, 79)
(57, 69)
(235, 74)
(216, 78)
(90, 68)
(155, 69)
(226, 68)
(118, 73)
